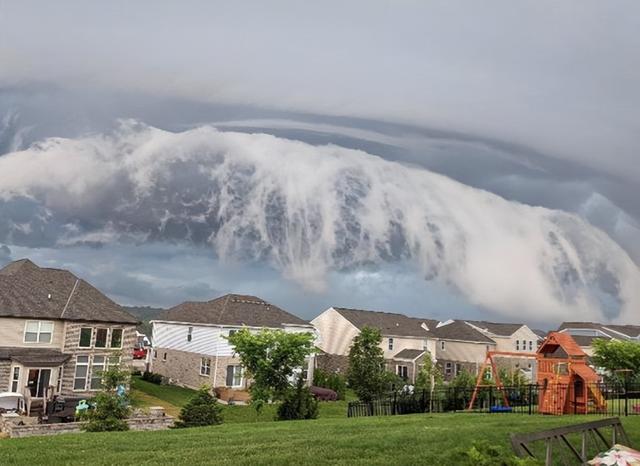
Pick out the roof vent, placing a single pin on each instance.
(49, 296)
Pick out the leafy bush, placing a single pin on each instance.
(482, 453)
(201, 410)
(152, 377)
(298, 403)
(110, 407)
(330, 380)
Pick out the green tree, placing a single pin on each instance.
(621, 359)
(367, 374)
(111, 404)
(270, 358)
(429, 376)
(201, 410)
(465, 380)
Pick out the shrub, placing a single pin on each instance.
(111, 408)
(298, 403)
(201, 410)
(330, 380)
(152, 377)
(482, 453)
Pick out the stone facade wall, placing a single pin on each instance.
(183, 368)
(141, 423)
(332, 363)
(5, 376)
(71, 341)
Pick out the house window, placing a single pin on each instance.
(116, 338)
(442, 345)
(390, 343)
(458, 368)
(190, 334)
(164, 356)
(402, 372)
(530, 345)
(101, 338)
(234, 376)
(205, 366)
(85, 337)
(15, 380)
(36, 331)
(82, 371)
(113, 361)
(231, 332)
(155, 354)
(517, 345)
(97, 368)
(448, 368)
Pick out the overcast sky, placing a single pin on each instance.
(536, 102)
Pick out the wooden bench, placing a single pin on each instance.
(588, 432)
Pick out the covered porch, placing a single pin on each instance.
(34, 373)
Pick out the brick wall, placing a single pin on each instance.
(332, 363)
(183, 368)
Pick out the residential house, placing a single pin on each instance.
(190, 345)
(57, 332)
(512, 338)
(406, 341)
(584, 333)
(460, 346)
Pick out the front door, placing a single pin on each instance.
(38, 381)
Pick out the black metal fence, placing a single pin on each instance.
(604, 399)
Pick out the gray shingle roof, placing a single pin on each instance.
(460, 330)
(409, 354)
(33, 292)
(389, 323)
(631, 331)
(583, 340)
(34, 356)
(232, 309)
(497, 328)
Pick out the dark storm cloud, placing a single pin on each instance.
(537, 102)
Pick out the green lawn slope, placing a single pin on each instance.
(414, 439)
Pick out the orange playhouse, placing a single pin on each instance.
(567, 384)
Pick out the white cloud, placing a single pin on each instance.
(308, 210)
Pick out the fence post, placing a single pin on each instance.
(490, 397)
(455, 399)
(393, 406)
(626, 395)
(530, 397)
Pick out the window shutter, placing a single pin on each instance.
(229, 376)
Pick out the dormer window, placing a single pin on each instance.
(36, 331)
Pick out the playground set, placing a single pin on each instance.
(567, 384)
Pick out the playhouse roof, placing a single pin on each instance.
(565, 341)
(585, 372)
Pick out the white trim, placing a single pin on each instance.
(193, 324)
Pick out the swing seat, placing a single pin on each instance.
(500, 409)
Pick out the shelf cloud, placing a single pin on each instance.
(308, 211)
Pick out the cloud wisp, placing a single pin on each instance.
(309, 210)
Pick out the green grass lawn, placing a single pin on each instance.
(172, 398)
(412, 439)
